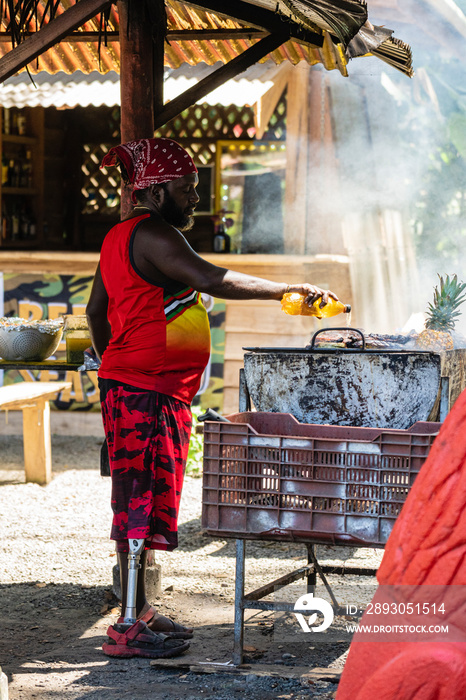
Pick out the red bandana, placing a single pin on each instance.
(151, 161)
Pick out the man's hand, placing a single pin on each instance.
(312, 293)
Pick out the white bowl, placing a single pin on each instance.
(24, 341)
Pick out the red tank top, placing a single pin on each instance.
(160, 335)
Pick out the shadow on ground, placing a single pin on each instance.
(192, 537)
(52, 637)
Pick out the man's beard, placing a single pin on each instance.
(175, 215)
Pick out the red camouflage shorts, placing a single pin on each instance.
(148, 440)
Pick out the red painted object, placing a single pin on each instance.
(426, 552)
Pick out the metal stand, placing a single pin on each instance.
(252, 601)
(244, 403)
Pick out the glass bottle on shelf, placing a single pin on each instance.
(32, 226)
(5, 171)
(6, 120)
(15, 224)
(21, 124)
(16, 173)
(29, 169)
(25, 169)
(221, 242)
(6, 224)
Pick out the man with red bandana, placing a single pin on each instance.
(151, 332)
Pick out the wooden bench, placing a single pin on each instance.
(33, 399)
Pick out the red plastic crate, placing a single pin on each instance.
(266, 476)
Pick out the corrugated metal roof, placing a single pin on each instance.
(85, 56)
(97, 89)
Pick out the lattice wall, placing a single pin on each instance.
(197, 129)
(100, 189)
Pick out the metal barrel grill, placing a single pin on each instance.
(328, 457)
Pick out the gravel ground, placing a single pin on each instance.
(57, 565)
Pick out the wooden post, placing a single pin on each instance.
(160, 32)
(323, 215)
(37, 444)
(136, 79)
(312, 222)
(297, 128)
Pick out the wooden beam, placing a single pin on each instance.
(172, 35)
(261, 18)
(159, 32)
(266, 105)
(220, 76)
(49, 35)
(5, 37)
(214, 34)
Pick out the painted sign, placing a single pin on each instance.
(51, 296)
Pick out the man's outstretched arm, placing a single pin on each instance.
(169, 252)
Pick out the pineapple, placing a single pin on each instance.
(442, 315)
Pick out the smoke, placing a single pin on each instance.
(401, 189)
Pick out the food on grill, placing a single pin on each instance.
(442, 315)
(349, 339)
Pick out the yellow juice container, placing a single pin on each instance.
(294, 304)
(76, 342)
(77, 338)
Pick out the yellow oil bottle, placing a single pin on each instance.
(295, 305)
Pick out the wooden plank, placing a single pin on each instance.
(231, 370)
(453, 364)
(230, 401)
(14, 396)
(37, 443)
(49, 35)
(267, 670)
(173, 35)
(297, 128)
(271, 319)
(220, 76)
(266, 105)
(323, 225)
(48, 262)
(25, 367)
(291, 268)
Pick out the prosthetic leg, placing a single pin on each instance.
(132, 637)
(136, 548)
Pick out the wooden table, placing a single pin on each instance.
(33, 399)
(45, 364)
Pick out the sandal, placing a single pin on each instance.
(139, 640)
(177, 631)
